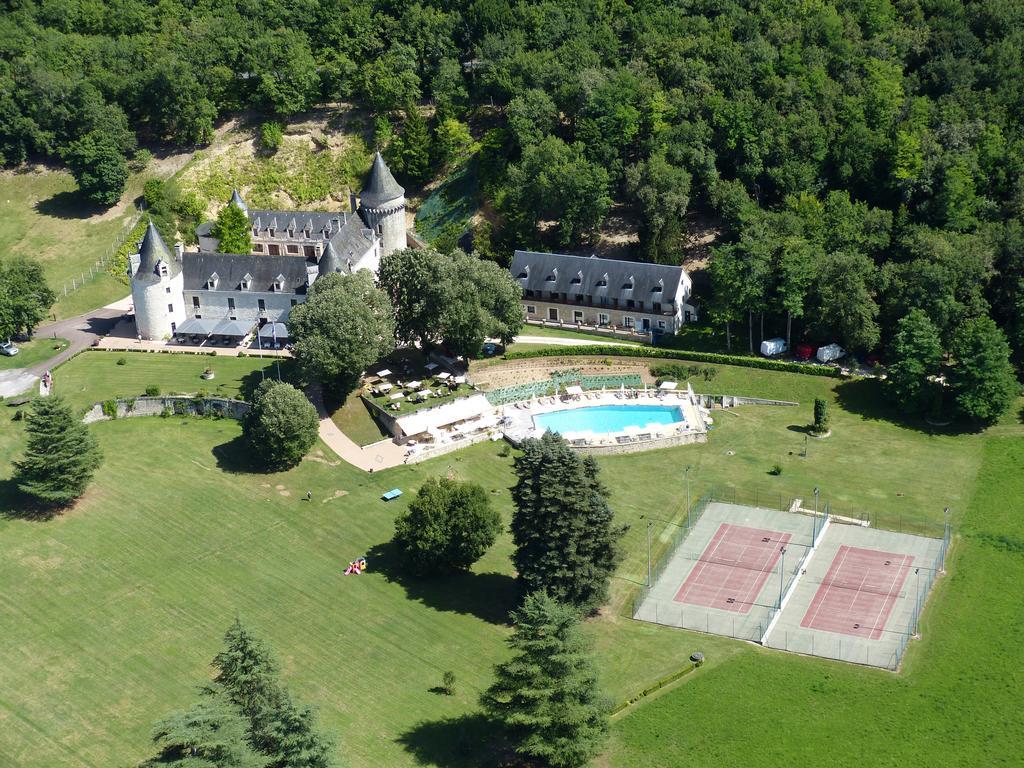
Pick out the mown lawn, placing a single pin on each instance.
(95, 375)
(43, 217)
(116, 608)
(32, 352)
(354, 419)
(956, 703)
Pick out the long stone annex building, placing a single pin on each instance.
(586, 290)
(206, 292)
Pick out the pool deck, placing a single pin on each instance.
(519, 422)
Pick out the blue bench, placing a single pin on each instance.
(394, 493)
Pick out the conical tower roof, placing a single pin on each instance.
(330, 261)
(236, 199)
(152, 251)
(381, 187)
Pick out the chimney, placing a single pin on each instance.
(179, 249)
(352, 201)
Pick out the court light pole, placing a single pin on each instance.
(815, 501)
(782, 573)
(649, 524)
(687, 475)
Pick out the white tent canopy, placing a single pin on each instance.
(463, 409)
(668, 385)
(574, 390)
(444, 375)
(383, 372)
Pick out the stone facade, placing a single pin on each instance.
(537, 309)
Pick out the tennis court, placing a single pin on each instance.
(859, 597)
(794, 581)
(729, 571)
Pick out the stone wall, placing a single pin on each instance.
(181, 405)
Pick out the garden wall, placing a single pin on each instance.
(168, 406)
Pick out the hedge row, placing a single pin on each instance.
(678, 354)
(655, 687)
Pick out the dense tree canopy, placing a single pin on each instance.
(25, 298)
(861, 158)
(345, 324)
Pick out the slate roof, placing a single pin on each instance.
(596, 277)
(237, 200)
(331, 262)
(231, 268)
(381, 187)
(153, 250)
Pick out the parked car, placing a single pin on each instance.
(830, 352)
(772, 347)
(8, 349)
(804, 351)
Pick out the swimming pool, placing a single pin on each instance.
(608, 418)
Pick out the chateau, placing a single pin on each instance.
(206, 292)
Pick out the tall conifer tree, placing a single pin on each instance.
(547, 693)
(61, 455)
(566, 541)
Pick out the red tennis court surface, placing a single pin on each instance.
(858, 592)
(733, 568)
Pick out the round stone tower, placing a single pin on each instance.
(157, 288)
(382, 207)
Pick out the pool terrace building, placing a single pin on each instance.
(586, 290)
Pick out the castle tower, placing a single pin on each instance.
(157, 287)
(382, 207)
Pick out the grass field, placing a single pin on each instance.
(32, 352)
(42, 217)
(118, 606)
(95, 375)
(354, 419)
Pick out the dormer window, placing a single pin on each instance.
(603, 282)
(255, 231)
(272, 232)
(578, 278)
(212, 282)
(163, 269)
(659, 287)
(306, 234)
(279, 283)
(246, 283)
(628, 285)
(291, 233)
(553, 277)
(523, 275)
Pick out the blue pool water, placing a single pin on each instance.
(608, 418)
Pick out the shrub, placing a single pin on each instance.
(109, 408)
(271, 136)
(776, 469)
(19, 415)
(448, 683)
(821, 417)
(672, 354)
(140, 160)
(152, 391)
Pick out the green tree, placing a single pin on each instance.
(567, 542)
(285, 70)
(447, 527)
(293, 739)
(662, 194)
(60, 456)
(500, 300)
(982, 379)
(411, 150)
(449, 89)
(345, 325)
(555, 182)
(547, 694)
(211, 734)
(958, 200)
(281, 426)
(99, 167)
(916, 360)
(846, 303)
(531, 115)
(27, 297)
(452, 140)
(232, 230)
(247, 671)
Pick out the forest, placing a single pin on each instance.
(865, 157)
